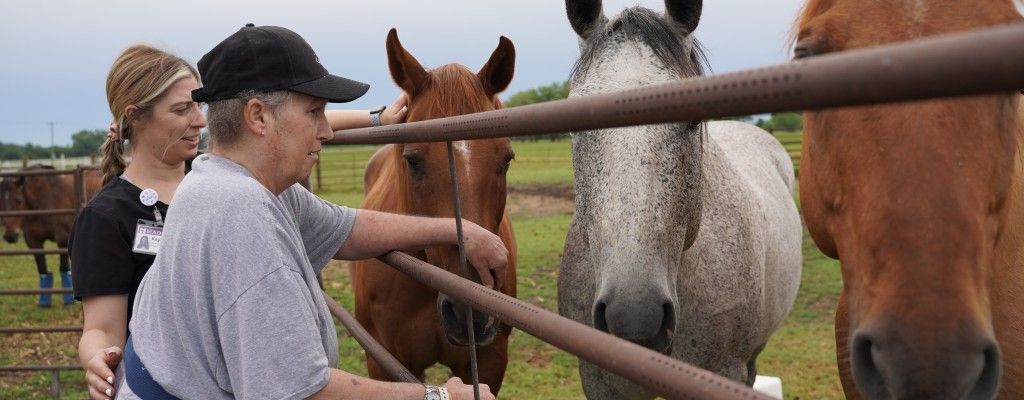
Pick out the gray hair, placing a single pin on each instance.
(224, 117)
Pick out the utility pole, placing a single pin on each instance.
(53, 157)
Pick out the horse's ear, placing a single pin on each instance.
(405, 70)
(497, 73)
(686, 13)
(584, 15)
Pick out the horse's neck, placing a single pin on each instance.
(49, 192)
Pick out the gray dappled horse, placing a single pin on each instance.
(686, 238)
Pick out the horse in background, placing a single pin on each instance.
(686, 238)
(923, 205)
(414, 322)
(42, 193)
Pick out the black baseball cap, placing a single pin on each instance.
(268, 58)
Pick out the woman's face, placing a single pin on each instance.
(169, 132)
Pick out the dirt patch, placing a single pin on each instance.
(538, 358)
(539, 201)
(825, 305)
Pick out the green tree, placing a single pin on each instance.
(87, 142)
(554, 91)
(787, 121)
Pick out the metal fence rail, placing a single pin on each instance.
(388, 362)
(963, 64)
(80, 200)
(657, 372)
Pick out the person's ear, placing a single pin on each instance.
(257, 116)
(130, 111)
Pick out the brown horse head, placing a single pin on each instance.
(481, 165)
(913, 199)
(12, 198)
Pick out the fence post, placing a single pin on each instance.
(355, 181)
(79, 190)
(55, 384)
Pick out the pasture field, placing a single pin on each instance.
(802, 351)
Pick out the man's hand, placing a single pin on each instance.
(395, 113)
(461, 391)
(486, 252)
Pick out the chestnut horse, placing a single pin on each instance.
(923, 205)
(42, 193)
(414, 322)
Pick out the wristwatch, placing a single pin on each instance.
(375, 115)
(433, 393)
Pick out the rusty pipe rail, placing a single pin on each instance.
(962, 64)
(43, 172)
(657, 372)
(33, 252)
(44, 329)
(388, 362)
(36, 213)
(33, 368)
(20, 292)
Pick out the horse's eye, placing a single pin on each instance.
(416, 164)
(807, 48)
(503, 168)
(801, 52)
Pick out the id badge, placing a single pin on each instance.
(147, 237)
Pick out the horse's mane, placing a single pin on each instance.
(387, 192)
(655, 31)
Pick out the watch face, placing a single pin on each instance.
(432, 395)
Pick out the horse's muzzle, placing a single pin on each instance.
(453, 320)
(11, 237)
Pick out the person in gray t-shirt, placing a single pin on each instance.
(231, 307)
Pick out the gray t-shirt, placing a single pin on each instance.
(231, 306)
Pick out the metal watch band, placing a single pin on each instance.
(375, 115)
(432, 393)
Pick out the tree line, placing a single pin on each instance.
(84, 143)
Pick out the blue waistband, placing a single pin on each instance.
(138, 377)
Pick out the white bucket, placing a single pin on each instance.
(769, 385)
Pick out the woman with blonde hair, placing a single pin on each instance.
(117, 235)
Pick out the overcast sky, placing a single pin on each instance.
(54, 55)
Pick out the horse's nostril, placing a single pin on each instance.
(885, 368)
(988, 380)
(600, 320)
(865, 369)
(668, 322)
(651, 327)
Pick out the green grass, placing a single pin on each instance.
(802, 351)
